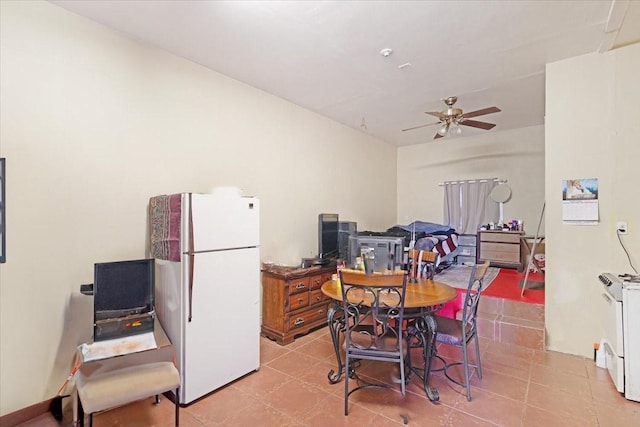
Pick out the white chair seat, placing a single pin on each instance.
(99, 391)
(115, 388)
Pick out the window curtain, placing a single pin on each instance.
(475, 199)
(452, 208)
(467, 204)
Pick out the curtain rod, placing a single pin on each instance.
(498, 180)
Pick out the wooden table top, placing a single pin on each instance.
(424, 293)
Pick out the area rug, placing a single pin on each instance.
(507, 285)
(458, 276)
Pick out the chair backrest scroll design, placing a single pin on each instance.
(474, 290)
(374, 308)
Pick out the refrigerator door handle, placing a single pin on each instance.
(191, 259)
(191, 262)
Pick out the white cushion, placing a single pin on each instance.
(110, 389)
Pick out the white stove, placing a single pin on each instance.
(622, 332)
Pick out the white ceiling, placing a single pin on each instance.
(325, 55)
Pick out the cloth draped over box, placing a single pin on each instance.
(164, 219)
(442, 246)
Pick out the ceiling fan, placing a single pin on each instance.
(451, 119)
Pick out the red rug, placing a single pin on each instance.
(507, 286)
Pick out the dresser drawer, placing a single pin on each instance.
(499, 254)
(499, 247)
(500, 237)
(298, 285)
(302, 319)
(316, 281)
(316, 296)
(298, 300)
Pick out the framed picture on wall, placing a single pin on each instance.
(3, 205)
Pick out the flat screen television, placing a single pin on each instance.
(123, 288)
(328, 236)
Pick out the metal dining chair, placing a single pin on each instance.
(373, 309)
(459, 333)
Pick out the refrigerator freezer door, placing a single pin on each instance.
(222, 340)
(221, 222)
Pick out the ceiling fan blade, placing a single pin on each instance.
(436, 113)
(421, 126)
(477, 124)
(488, 110)
(438, 136)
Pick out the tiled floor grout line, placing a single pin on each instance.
(541, 383)
(593, 400)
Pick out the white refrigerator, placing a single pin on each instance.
(208, 302)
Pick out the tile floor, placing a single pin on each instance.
(520, 387)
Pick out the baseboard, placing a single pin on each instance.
(25, 414)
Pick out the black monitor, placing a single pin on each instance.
(346, 229)
(123, 288)
(388, 250)
(328, 236)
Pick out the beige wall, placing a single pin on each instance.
(515, 155)
(93, 124)
(592, 131)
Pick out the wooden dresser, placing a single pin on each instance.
(292, 302)
(502, 248)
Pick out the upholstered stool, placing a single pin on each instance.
(99, 391)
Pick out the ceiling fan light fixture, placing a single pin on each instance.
(451, 119)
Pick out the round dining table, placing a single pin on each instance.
(423, 298)
(424, 293)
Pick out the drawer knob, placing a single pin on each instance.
(299, 321)
(300, 299)
(300, 285)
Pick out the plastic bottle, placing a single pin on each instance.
(600, 355)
